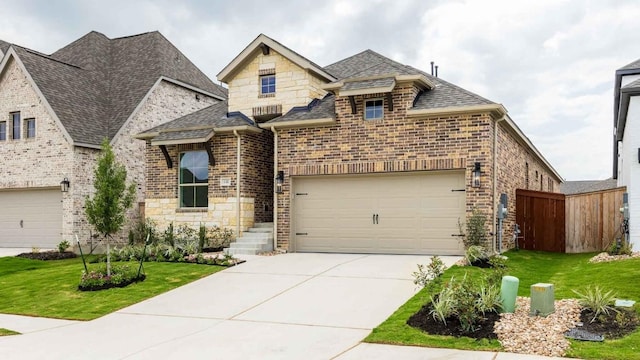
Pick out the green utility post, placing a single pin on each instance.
(508, 293)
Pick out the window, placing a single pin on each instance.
(549, 184)
(540, 182)
(15, 125)
(373, 109)
(194, 179)
(267, 84)
(526, 174)
(3, 130)
(30, 125)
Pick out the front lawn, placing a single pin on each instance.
(565, 271)
(6, 332)
(50, 288)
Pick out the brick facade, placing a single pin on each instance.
(256, 187)
(42, 162)
(393, 144)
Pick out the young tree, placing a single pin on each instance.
(106, 210)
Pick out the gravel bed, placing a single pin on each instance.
(524, 334)
(605, 257)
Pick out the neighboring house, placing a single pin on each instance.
(55, 110)
(368, 156)
(626, 141)
(586, 186)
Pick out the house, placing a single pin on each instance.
(365, 155)
(626, 142)
(56, 110)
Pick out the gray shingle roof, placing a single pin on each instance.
(4, 46)
(317, 109)
(214, 116)
(632, 85)
(578, 187)
(633, 65)
(366, 84)
(95, 83)
(370, 63)
(184, 135)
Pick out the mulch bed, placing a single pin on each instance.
(48, 255)
(612, 326)
(424, 321)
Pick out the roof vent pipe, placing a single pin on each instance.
(432, 68)
(436, 70)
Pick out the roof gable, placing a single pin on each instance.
(95, 84)
(631, 66)
(264, 43)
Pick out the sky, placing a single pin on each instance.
(551, 63)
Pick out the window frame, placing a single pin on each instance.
(15, 130)
(373, 100)
(268, 86)
(193, 184)
(27, 134)
(3, 138)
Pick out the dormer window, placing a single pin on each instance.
(268, 84)
(373, 109)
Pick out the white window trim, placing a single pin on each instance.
(275, 84)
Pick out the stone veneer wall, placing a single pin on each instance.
(41, 162)
(294, 85)
(161, 203)
(512, 174)
(393, 144)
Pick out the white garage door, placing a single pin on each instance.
(31, 218)
(409, 213)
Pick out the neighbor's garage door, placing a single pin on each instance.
(409, 213)
(31, 218)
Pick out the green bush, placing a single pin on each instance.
(203, 240)
(596, 300)
(220, 237)
(97, 279)
(169, 236)
(426, 274)
(63, 246)
(475, 253)
(476, 231)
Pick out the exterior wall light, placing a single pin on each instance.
(64, 185)
(475, 179)
(279, 182)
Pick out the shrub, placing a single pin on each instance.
(596, 300)
(220, 237)
(203, 240)
(97, 279)
(185, 234)
(142, 228)
(476, 231)
(488, 299)
(475, 253)
(169, 236)
(443, 306)
(63, 246)
(426, 274)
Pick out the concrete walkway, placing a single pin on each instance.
(292, 306)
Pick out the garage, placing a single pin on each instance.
(406, 213)
(31, 218)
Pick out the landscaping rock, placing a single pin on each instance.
(605, 257)
(524, 334)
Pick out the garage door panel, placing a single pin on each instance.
(417, 213)
(31, 218)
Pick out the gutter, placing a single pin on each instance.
(495, 182)
(238, 177)
(275, 195)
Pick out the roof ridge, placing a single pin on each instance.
(135, 35)
(48, 57)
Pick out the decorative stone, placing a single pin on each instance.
(579, 334)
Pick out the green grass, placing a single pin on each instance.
(565, 271)
(49, 288)
(7, 332)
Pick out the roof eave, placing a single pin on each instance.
(298, 123)
(366, 91)
(191, 140)
(496, 110)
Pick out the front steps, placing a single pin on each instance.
(256, 240)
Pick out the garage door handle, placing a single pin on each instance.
(302, 234)
(377, 221)
(458, 235)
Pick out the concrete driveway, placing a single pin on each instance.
(292, 306)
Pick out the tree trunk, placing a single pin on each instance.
(108, 258)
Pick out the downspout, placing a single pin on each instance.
(495, 183)
(275, 195)
(238, 177)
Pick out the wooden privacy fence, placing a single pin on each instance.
(593, 220)
(541, 217)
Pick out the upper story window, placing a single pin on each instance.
(194, 179)
(15, 125)
(30, 128)
(268, 84)
(3, 130)
(373, 109)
